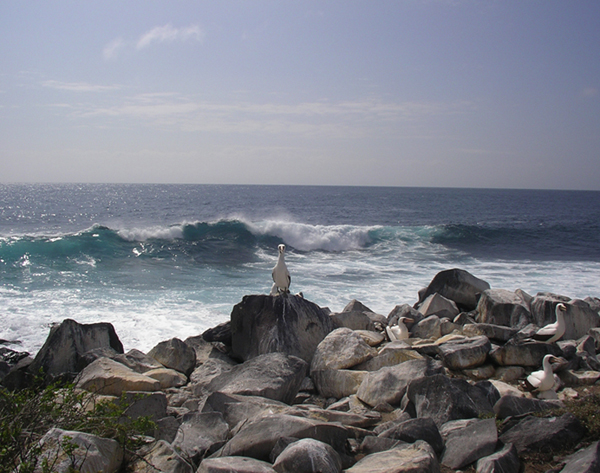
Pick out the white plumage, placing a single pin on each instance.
(542, 380)
(553, 332)
(281, 275)
(398, 331)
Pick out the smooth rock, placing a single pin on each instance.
(176, 355)
(392, 354)
(91, 454)
(428, 328)
(503, 461)
(466, 353)
(469, 442)
(200, 434)
(412, 430)
(436, 304)
(526, 353)
(342, 348)
(285, 323)
(105, 376)
(457, 285)
(167, 377)
(497, 333)
(418, 457)
(234, 465)
(137, 361)
(502, 307)
(308, 456)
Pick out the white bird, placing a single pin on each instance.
(542, 380)
(281, 275)
(398, 331)
(553, 332)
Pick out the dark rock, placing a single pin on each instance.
(509, 406)
(371, 444)
(404, 310)
(285, 323)
(502, 307)
(137, 361)
(533, 434)
(176, 355)
(411, 430)
(67, 343)
(308, 456)
(11, 357)
(444, 399)
(586, 460)
(274, 376)
(468, 441)
(220, 333)
(464, 353)
(526, 353)
(503, 461)
(200, 434)
(497, 333)
(153, 405)
(457, 285)
(490, 391)
(166, 429)
(162, 457)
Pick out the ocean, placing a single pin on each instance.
(164, 261)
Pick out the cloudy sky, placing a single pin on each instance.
(451, 93)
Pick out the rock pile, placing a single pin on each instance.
(286, 386)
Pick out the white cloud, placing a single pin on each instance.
(78, 86)
(168, 34)
(111, 50)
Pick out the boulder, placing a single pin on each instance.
(404, 310)
(338, 383)
(417, 457)
(412, 430)
(200, 434)
(347, 419)
(392, 354)
(509, 406)
(389, 384)
(176, 355)
(137, 361)
(429, 327)
(579, 319)
(504, 460)
(533, 434)
(371, 338)
(468, 441)
(436, 304)
(457, 285)
(342, 348)
(443, 399)
(234, 464)
(69, 450)
(502, 307)
(158, 457)
(287, 323)
(497, 333)
(152, 405)
(256, 439)
(167, 377)
(308, 456)
(207, 371)
(464, 353)
(273, 375)
(585, 460)
(105, 376)
(527, 353)
(63, 350)
(221, 333)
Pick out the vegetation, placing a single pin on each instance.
(26, 415)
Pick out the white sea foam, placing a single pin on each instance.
(144, 234)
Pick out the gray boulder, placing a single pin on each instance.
(69, 450)
(342, 348)
(505, 460)
(234, 464)
(417, 457)
(444, 399)
(457, 285)
(389, 384)
(429, 327)
(176, 355)
(412, 430)
(273, 375)
(200, 434)
(527, 353)
(137, 361)
(502, 307)
(509, 406)
(436, 304)
(308, 456)
(468, 441)
(404, 310)
(63, 350)
(464, 353)
(158, 457)
(497, 333)
(285, 323)
(338, 383)
(585, 460)
(533, 434)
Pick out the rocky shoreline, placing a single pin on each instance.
(287, 386)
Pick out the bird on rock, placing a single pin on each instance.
(553, 332)
(281, 275)
(542, 380)
(399, 330)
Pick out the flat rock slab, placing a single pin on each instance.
(105, 376)
(467, 444)
(536, 433)
(418, 457)
(234, 464)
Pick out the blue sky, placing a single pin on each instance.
(446, 93)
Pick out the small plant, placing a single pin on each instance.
(26, 416)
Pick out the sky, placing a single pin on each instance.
(431, 93)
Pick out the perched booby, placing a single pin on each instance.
(542, 380)
(398, 331)
(281, 275)
(552, 332)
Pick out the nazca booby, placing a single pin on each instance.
(552, 332)
(281, 275)
(399, 331)
(542, 380)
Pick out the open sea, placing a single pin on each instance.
(163, 261)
